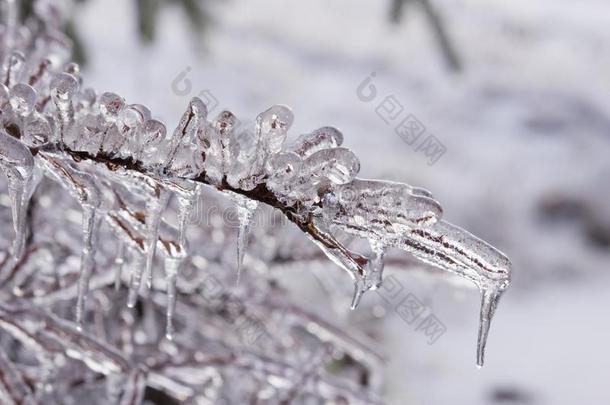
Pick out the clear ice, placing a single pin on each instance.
(122, 168)
(246, 208)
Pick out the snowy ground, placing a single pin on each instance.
(527, 132)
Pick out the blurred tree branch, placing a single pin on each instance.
(450, 54)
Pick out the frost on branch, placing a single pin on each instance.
(123, 168)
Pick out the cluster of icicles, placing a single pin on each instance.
(93, 144)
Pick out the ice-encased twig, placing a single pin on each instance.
(78, 138)
(49, 336)
(13, 389)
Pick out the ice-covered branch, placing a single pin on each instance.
(123, 169)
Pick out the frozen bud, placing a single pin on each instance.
(144, 111)
(225, 123)
(198, 108)
(192, 122)
(130, 119)
(110, 106)
(322, 138)
(22, 99)
(37, 131)
(339, 165)
(272, 127)
(88, 136)
(154, 132)
(400, 202)
(421, 191)
(63, 87)
(151, 137)
(283, 166)
(190, 129)
(13, 65)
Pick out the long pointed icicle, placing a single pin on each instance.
(245, 213)
(186, 206)
(172, 269)
(490, 296)
(119, 262)
(136, 272)
(18, 165)
(453, 249)
(374, 275)
(84, 187)
(91, 223)
(154, 210)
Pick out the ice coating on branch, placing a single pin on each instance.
(124, 169)
(13, 388)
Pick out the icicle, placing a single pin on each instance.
(453, 249)
(359, 290)
(18, 164)
(91, 223)
(490, 296)
(137, 269)
(245, 213)
(83, 186)
(348, 261)
(172, 268)
(376, 264)
(154, 210)
(119, 262)
(374, 275)
(187, 204)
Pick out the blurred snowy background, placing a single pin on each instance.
(526, 126)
